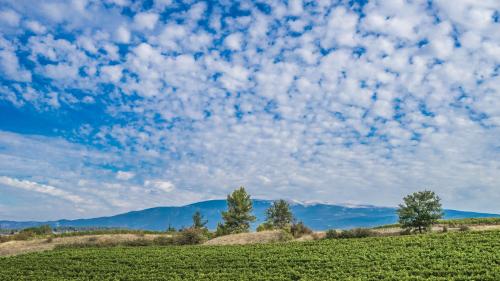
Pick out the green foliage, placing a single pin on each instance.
(190, 236)
(39, 230)
(102, 231)
(464, 228)
(471, 221)
(264, 226)
(198, 221)
(279, 214)
(238, 216)
(170, 229)
(420, 210)
(299, 229)
(443, 256)
(454, 222)
(28, 233)
(351, 233)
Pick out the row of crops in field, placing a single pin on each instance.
(456, 222)
(450, 256)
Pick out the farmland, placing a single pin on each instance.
(440, 256)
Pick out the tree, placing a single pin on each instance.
(170, 228)
(198, 221)
(420, 210)
(279, 214)
(238, 216)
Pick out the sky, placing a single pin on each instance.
(118, 105)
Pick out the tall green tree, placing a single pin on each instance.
(198, 221)
(420, 210)
(238, 216)
(279, 214)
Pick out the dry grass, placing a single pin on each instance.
(36, 245)
(437, 228)
(248, 238)
(21, 247)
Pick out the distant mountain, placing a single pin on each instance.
(316, 216)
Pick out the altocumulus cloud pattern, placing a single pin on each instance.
(108, 106)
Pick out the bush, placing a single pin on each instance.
(284, 236)
(445, 228)
(299, 229)
(332, 234)
(352, 233)
(464, 228)
(189, 236)
(23, 235)
(264, 226)
(49, 240)
(39, 230)
(137, 242)
(92, 239)
(163, 241)
(4, 238)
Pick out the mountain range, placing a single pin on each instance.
(317, 216)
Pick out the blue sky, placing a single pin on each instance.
(117, 105)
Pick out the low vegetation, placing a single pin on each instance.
(440, 256)
(352, 233)
(454, 222)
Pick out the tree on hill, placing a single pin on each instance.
(420, 210)
(170, 228)
(238, 216)
(198, 221)
(279, 215)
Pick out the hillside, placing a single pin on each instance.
(317, 216)
(450, 256)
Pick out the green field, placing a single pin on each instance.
(450, 256)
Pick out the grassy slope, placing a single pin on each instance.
(451, 256)
(455, 222)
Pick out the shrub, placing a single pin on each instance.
(189, 236)
(23, 235)
(445, 228)
(4, 238)
(49, 240)
(264, 226)
(331, 234)
(352, 233)
(299, 229)
(39, 230)
(163, 241)
(92, 239)
(284, 236)
(464, 228)
(138, 242)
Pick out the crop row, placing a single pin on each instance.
(451, 256)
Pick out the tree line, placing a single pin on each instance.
(418, 212)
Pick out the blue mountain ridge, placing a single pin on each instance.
(316, 216)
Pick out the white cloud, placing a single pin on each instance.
(10, 17)
(35, 26)
(378, 105)
(9, 65)
(295, 7)
(122, 175)
(145, 20)
(112, 73)
(122, 34)
(233, 41)
(41, 188)
(161, 185)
